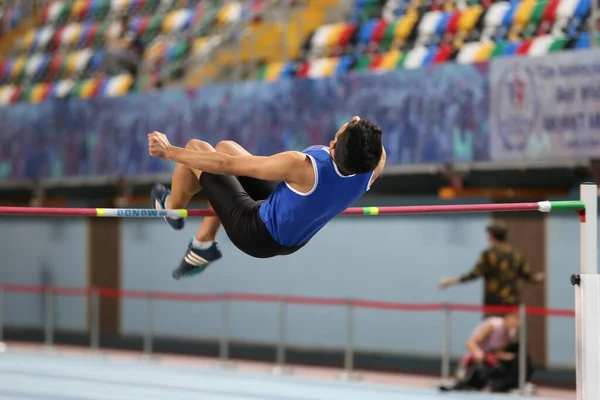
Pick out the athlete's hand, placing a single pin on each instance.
(448, 282)
(158, 144)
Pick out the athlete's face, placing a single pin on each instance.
(339, 132)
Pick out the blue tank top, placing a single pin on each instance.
(293, 218)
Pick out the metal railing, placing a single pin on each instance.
(94, 295)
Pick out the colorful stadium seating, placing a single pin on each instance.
(63, 55)
(413, 34)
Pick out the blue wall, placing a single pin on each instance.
(374, 258)
(37, 251)
(563, 260)
(380, 258)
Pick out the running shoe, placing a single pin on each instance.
(196, 260)
(159, 195)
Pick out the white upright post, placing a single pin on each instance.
(587, 300)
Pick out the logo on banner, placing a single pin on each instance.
(130, 212)
(516, 106)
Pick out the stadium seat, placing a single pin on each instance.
(548, 17)
(430, 56)
(467, 53)
(96, 61)
(577, 22)
(80, 9)
(15, 94)
(118, 85)
(365, 33)
(178, 51)
(90, 88)
(18, 69)
(318, 42)
(271, 72)
(6, 94)
(415, 57)
(507, 22)
(3, 69)
(524, 47)
(442, 26)
(33, 64)
(71, 63)
(54, 67)
(347, 34)
(119, 7)
(59, 13)
(523, 13)
(468, 20)
(322, 67)
(510, 48)
(334, 36)
(28, 42)
(82, 59)
(71, 34)
(39, 92)
(154, 26)
(536, 18)
(375, 62)
(443, 54)
(583, 41)
(564, 13)
(99, 9)
(406, 24)
(379, 31)
(230, 13)
(389, 60)
(88, 31)
(62, 88)
(43, 38)
(541, 45)
(484, 52)
(452, 26)
(177, 21)
(346, 63)
(99, 35)
(493, 19)
(428, 27)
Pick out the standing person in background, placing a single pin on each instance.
(503, 269)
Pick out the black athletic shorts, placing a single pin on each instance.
(236, 201)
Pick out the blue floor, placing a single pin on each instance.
(60, 377)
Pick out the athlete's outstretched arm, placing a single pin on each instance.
(292, 167)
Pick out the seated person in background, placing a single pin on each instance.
(492, 357)
(124, 52)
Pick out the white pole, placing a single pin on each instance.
(522, 348)
(587, 301)
(589, 195)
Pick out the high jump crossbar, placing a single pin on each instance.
(543, 206)
(587, 282)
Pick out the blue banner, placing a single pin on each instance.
(547, 107)
(428, 115)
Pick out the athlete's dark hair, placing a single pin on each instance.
(358, 149)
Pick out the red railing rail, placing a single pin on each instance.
(269, 298)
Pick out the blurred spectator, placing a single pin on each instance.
(124, 52)
(502, 268)
(492, 357)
